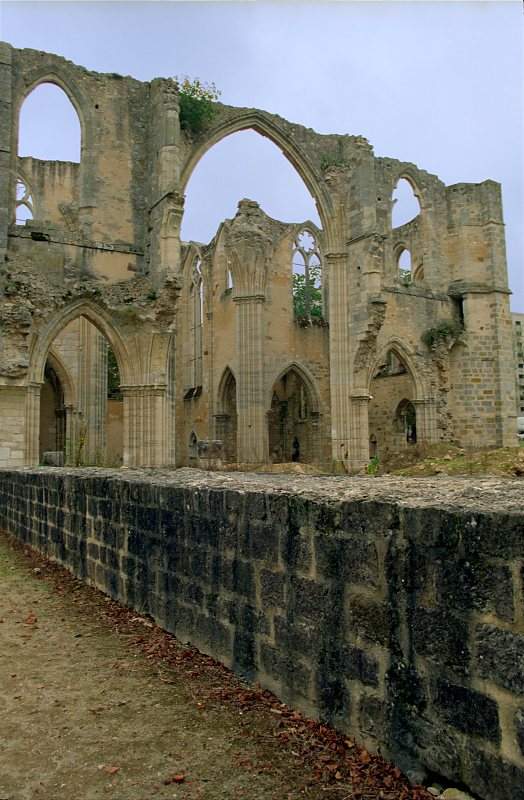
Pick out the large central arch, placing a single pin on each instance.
(265, 125)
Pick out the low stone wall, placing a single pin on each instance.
(391, 608)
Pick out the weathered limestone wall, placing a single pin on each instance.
(12, 421)
(392, 609)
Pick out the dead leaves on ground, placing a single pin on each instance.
(327, 759)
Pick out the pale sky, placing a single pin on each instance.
(438, 84)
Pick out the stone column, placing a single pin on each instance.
(166, 204)
(72, 427)
(145, 426)
(339, 354)
(7, 178)
(92, 390)
(252, 439)
(359, 444)
(32, 424)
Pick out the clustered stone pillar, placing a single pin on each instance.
(339, 348)
(359, 449)
(145, 415)
(252, 425)
(32, 424)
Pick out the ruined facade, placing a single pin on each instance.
(215, 361)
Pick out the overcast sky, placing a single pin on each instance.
(439, 84)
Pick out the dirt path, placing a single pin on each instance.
(97, 703)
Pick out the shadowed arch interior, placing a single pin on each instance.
(293, 419)
(392, 388)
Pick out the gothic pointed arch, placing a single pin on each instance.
(407, 357)
(64, 80)
(305, 375)
(267, 126)
(63, 373)
(100, 318)
(292, 418)
(226, 380)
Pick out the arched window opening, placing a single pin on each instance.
(49, 127)
(192, 448)
(226, 419)
(307, 277)
(115, 411)
(292, 423)
(24, 202)
(52, 419)
(229, 280)
(196, 321)
(244, 164)
(93, 418)
(405, 204)
(405, 421)
(391, 412)
(404, 267)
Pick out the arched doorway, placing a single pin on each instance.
(292, 420)
(86, 354)
(392, 414)
(226, 419)
(52, 419)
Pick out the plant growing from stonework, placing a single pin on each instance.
(373, 466)
(444, 331)
(307, 294)
(196, 103)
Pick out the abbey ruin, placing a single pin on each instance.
(212, 362)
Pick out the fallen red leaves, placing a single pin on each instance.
(326, 757)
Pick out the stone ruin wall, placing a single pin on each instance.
(105, 244)
(393, 610)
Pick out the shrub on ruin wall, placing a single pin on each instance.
(446, 331)
(197, 104)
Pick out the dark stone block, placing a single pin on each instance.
(214, 634)
(442, 637)
(469, 583)
(242, 578)
(500, 657)
(358, 665)
(467, 710)
(352, 559)
(147, 519)
(296, 636)
(369, 619)
(296, 551)
(309, 598)
(294, 676)
(260, 541)
(369, 517)
(136, 543)
(278, 510)
(332, 697)
(479, 537)
(490, 776)
(272, 585)
(372, 716)
(439, 748)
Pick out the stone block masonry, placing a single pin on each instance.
(391, 608)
